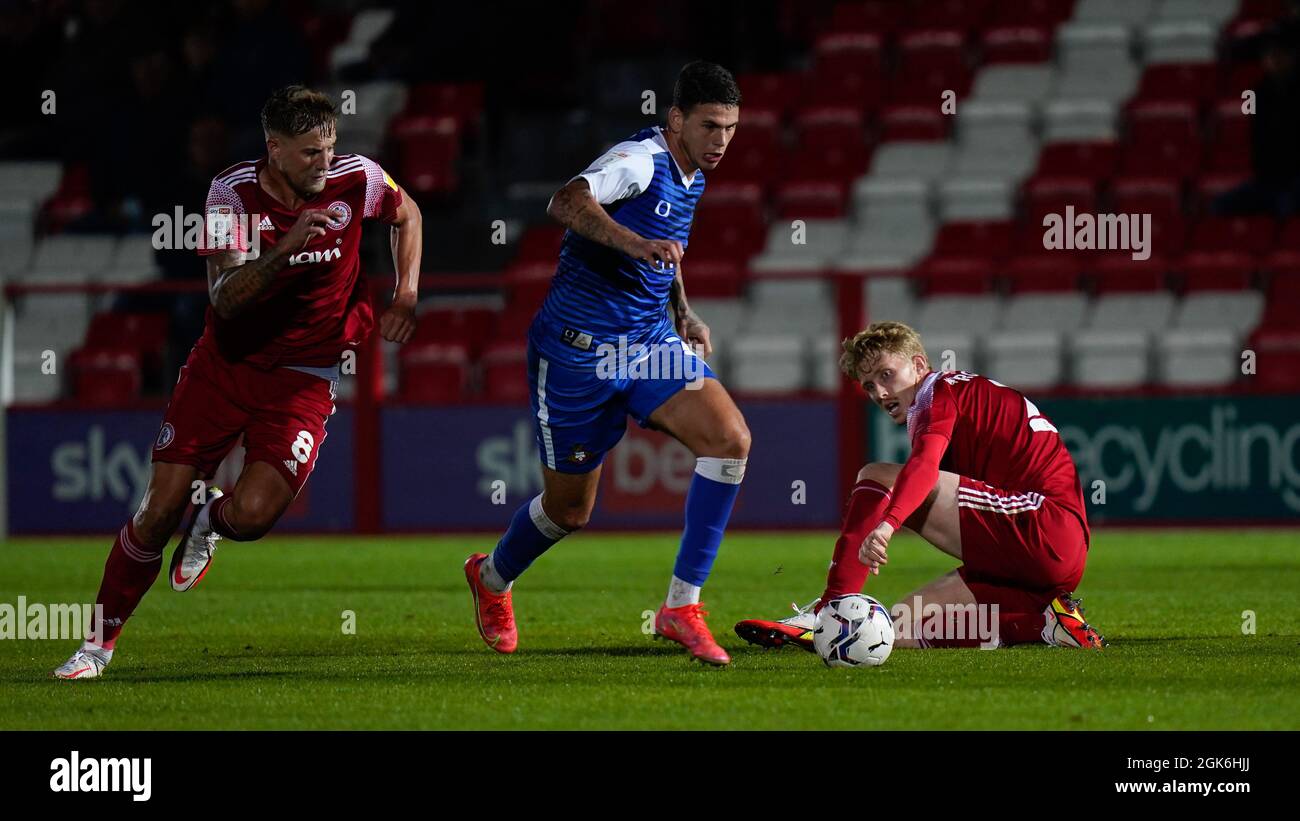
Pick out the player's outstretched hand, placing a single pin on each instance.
(398, 322)
(664, 252)
(311, 223)
(874, 551)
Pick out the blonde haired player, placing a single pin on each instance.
(1009, 505)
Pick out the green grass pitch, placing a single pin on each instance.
(261, 643)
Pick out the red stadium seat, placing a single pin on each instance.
(540, 243)
(468, 327)
(778, 92)
(1188, 83)
(105, 377)
(1209, 186)
(1017, 44)
(1032, 12)
(1044, 195)
(1217, 271)
(1159, 196)
(961, 15)
(1284, 262)
(933, 51)
(1118, 271)
(880, 16)
(729, 223)
(956, 275)
(1050, 271)
(832, 145)
(756, 156)
(989, 240)
(1089, 159)
(1231, 147)
(527, 284)
(429, 148)
(462, 101)
(1252, 235)
(433, 372)
(714, 278)
(1277, 364)
(505, 372)
(910, 121)
(811, 199)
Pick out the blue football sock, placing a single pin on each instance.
(531, 533)
(708, 507)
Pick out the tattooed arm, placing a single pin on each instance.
(690, 327)
(233, 284)
(575, 208)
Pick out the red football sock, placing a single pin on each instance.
(865, 510)
(1021, 628)
(128, 574)
(220, 521)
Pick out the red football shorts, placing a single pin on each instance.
(1021, 546)
(280, 412)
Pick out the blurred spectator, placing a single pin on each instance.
(1274, 186)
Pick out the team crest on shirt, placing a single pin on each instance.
(342, 222)
(579, 456)
(165, 436)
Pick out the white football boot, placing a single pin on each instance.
(193, 556)
(88, 662)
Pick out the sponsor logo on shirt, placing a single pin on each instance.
(311, 257)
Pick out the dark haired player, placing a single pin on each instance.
(619, 278)
(284, 309)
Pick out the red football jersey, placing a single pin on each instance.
(319, 305)
(975, 427)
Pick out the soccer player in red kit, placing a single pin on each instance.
(1008, 504)
(288, 299)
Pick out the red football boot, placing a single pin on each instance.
(796, 630)
(685, 625)
(1065, 626)
(493, 612)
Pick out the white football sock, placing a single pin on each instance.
(95, 650)
(681, 593)
(488, 574)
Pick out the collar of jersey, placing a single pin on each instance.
(681, 175)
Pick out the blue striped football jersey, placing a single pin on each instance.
(599, 294)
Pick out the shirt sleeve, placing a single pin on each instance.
(935, 415)
(383, 197)
(622, 172)
(225, 224)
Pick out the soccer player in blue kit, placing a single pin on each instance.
(618, 291)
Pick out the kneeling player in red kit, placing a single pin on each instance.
(288, 299)
(1008, 505)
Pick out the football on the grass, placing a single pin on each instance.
(854, 631)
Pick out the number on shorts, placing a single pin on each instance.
(302, 446)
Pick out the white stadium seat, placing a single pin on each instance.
(1110, 359)
(1181, 41)
(1024, 359)
(1128, 12)
(769, 363)
(1235, 311)
(959, 313)
(1145, 312)
(1203, 358)
(1028, 84)
(1079, 120)
(823, 241)
(1063, 312)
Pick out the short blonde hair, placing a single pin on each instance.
(880, 337)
